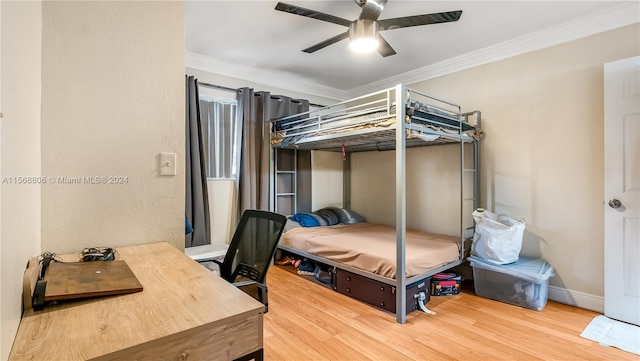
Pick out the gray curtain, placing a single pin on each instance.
(256, 109)
(197, 198)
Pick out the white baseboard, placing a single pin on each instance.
(576, 298)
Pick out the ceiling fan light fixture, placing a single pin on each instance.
(364, 36)
(363, 32)
(363, 45)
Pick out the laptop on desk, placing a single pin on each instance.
(72, 280)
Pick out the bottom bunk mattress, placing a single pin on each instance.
(372, 247)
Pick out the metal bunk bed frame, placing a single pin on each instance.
(402, 96)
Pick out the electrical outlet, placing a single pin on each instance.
(168, 164)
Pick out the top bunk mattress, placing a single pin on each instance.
(372, 247)
(289, 131)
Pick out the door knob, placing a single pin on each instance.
(614, 203)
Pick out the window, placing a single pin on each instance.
(221, 136)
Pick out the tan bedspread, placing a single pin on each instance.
(372, 247)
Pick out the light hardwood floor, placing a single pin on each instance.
(307, 321)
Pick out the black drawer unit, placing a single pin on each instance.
(377, 293)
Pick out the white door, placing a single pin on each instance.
(622, 190)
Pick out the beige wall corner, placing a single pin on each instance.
(20, 155)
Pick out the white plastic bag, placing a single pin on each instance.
(497, 238)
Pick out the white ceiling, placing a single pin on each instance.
(251, 38)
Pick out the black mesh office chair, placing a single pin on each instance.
(251, 252)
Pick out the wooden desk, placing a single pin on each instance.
(185, 312)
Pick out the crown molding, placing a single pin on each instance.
(613, 18)
(216, 66)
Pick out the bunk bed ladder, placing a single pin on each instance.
(474, 170)
(285, 181)
(465, 212)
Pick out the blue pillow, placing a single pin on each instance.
(327, 216)
(306, 219)
(187, 225)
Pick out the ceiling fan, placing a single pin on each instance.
(364, 32)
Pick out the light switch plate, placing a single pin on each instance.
(167, 163)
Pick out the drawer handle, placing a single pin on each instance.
(381, 288)
(382, 304)
(348, 278)
(348, 289)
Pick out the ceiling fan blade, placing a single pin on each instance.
(416, 20)
(372, 9)
(292, 9)
(384, 48)
(327, 42)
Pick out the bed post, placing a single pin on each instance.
(462, 188)
(476, 162)
(401, 206)
(272, 179)
(346, 181)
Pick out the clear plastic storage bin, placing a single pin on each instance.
(524, 283)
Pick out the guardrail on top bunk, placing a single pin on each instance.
(291, 130)
(368, 123)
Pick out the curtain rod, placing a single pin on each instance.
(218, 87)
(237, 90)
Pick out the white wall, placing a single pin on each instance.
(221, 209)
(543, 152)
(20, 155)
(112, 100)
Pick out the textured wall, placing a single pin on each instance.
(326, 179)
(432, 186)
(112, 100)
